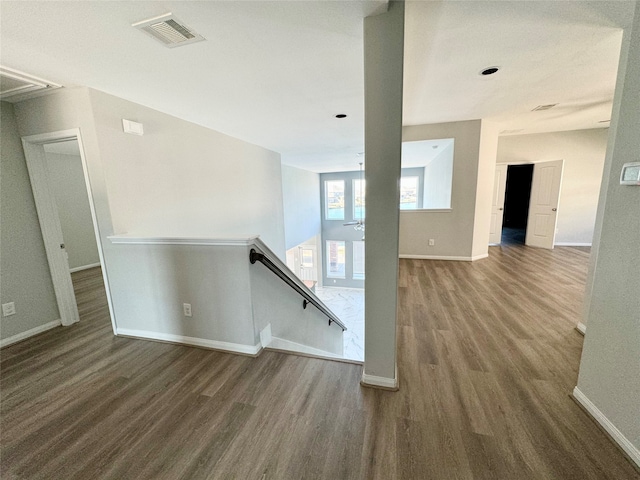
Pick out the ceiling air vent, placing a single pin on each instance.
(16, 85)
(544, 107)
(170, 31)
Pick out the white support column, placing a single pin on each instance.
(383, 64)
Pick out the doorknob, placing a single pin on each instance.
(554, 209)
(500, 209)
(62, 246)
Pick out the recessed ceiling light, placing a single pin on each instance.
(489, 71)
(341, 115)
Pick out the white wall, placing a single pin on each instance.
(609, 375)
(184, 179)
(24, 278)
(179, 179)
(66, 180)
(451, 229)
(438, 175)
(583, 152)
(154, 281)
(301, 198)
(487, 152)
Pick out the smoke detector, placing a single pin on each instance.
(16, 85)
(169, 31)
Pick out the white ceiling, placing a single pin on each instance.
(276, 73)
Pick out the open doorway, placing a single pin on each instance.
(516, 203)
(62, 194)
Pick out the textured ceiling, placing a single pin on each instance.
(276, 73)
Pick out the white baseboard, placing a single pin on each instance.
(610, 428)
(289, 346)
(571, 244)
(445, 257)
(382, 382)
(84, 267)
(193, 341)
(29, 333)
(265, 336)
(581, 327)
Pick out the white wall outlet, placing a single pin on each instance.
(8, 309)
(186, 309)
(432, 242)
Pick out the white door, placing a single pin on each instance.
(543, 206)
(308, 269)
(497, 204)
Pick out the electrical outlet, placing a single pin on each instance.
(186, 309)
(432, 242)
(8, 309)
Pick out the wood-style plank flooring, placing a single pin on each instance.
(488, 356)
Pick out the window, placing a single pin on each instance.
(335, 259)
(359, 199)
(358, 260)
(427, 174)
(334, 199)
(409, 193)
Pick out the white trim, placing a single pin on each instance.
(610, 428)
(29, 333)
(35, 144)
(193, 341)
(582, 328)
(445, 257)
(427, 210)
(265, 336)
(84, 267)
(571, 244)
(137, 240)
(289, 346)
(50, 222)
(384, 382)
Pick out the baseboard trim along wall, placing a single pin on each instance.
(252, 350)
(29, 333)
(282, 345)
(445, 257)
(380, 382)
(581, 327)
(632, 452)
(571, 244)
(84, 267)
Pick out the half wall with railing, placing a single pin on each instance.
(234, 305)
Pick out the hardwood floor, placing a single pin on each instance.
(487, 357)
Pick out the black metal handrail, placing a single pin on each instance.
(255, 256)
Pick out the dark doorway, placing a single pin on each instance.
(516, 203)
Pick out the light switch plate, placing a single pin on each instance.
(630, 174)
(132, 127)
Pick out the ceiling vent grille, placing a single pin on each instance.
(16, 85)
(544, 107)
(170, 31)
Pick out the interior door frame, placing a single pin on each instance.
(35, 156)
(498, 191)
(530, 193)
